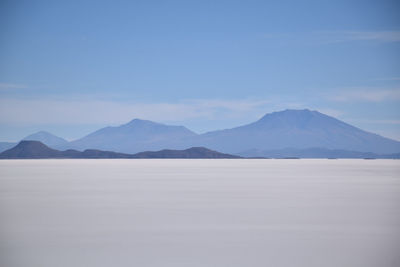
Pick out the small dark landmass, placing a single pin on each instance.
(192, 153)
(38, 150)
(30, 149)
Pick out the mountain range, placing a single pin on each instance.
(38, 150)
(284, 133)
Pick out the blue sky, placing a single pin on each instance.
(71, 67)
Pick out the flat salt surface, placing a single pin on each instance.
(72, 213)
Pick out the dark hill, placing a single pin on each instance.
(192, 153)
(30, 150)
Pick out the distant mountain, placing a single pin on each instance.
(299, 129)
(6, 145)
(135, 136)
(47, 138)
(38, 150)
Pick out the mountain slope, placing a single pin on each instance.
(47, 138)
(297, 129)
(38, 150)
(6, 145)
(135, 136)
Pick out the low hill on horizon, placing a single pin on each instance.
(190, 153)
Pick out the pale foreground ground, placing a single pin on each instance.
(222, 213)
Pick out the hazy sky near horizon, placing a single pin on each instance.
(71, 67)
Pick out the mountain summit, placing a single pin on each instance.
(47, 138)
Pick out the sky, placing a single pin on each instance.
(72, 67)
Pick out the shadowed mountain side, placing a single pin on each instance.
(135, 136)
(38, 150)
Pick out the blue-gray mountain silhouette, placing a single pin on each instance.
(48, 139)
(297, 129)
(135, 136)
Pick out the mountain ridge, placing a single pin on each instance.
(296, 129)
(27, 149)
